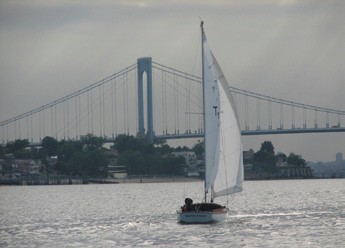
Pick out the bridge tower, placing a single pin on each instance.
(145, 65)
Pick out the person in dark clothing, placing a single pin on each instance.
(188, 205)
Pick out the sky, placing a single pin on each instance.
(287, 49)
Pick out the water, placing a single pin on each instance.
(294, 213)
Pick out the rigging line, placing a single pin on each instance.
(55, 120)
(176, 71)
(177, 105)
(127, 106)
(256, 95)
(52, 120)
(64, 119)
(124, 104)
(109, 94)
(39, 126)
(136, 101)
(19, 129)
(112, 110)
(67, 124)
(43, 124)
(71, 95)
(174, 103)
(246, 112)
(6, 133)
(103, 110)
(79, 114)
(304, 118)
(115, 95)
(293, 117)
(222, 145)
(261, 96)
(277, 100)
(91, 109)
(281, 115)
(181, 92)
(174, 75)
(88, 111)
(100, 111)
(76, 118)
(270, 115)
(95, 106)
(187, 110)
(14, 129)
(258, 114)
(163, 106)
(27, 129)
(315, 120)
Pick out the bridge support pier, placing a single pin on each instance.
(145, 65)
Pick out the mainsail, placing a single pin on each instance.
(223, 147)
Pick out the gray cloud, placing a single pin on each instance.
(287, 49)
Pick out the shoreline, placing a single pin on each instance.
(137, 180)
(158, 180)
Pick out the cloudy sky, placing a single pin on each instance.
(283, 48)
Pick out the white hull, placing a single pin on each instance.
(202, 216)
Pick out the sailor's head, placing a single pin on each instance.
(188, 201)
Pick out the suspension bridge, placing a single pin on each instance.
(148, 98)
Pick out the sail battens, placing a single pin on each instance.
(223, 146)
(224, 162)
(229, 191)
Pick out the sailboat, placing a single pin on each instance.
(222, 144)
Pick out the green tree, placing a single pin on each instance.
(22, 154)
(182, 149)
(267, 147)
(129, 142)
(164, 149)
(76, 161)
(2, 151)
(265, 159)
(50, 145)
(17, 145)
(281, 156)
(133, 161)
(296, 160)
(138, 163)
(198, 148)
(91, 142)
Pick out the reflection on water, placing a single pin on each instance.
(294, 213)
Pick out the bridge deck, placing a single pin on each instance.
(258, 132)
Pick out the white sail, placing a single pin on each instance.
(223, 147)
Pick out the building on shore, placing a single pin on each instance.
(333, 169)
(194, 167)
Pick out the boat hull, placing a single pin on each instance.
(195, 217)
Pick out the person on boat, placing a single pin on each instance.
(188, 205)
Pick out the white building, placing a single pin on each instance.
(190, 158)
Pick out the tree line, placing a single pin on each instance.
(87, 157)
(266, 159)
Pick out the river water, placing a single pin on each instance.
(291, 213)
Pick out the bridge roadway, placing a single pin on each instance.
(243, 132)
(257, 132)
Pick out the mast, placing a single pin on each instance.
(203, 99)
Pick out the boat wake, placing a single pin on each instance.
(276, 214)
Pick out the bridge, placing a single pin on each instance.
(148, 98)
